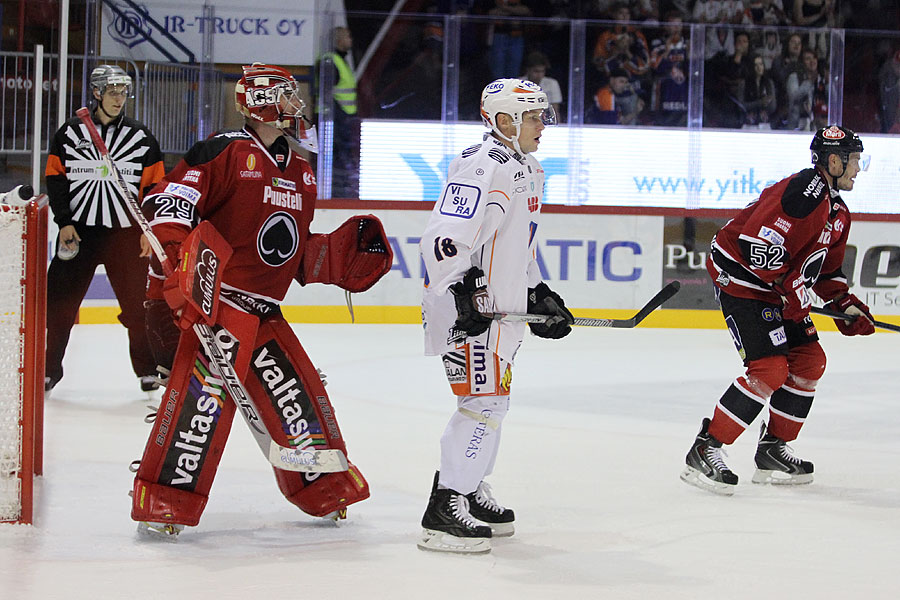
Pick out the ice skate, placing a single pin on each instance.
(484, 508)
(776, 463)
(449, 527)
(162, 531)
(705, 467)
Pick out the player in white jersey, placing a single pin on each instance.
(479, 253)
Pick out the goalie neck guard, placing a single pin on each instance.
(514, 97)
(269, 94)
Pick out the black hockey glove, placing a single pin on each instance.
(544, 301)
(471, 299)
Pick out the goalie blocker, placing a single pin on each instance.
(192, 425)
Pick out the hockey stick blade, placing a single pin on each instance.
(661, 297)
(325, 463)
(845, 317)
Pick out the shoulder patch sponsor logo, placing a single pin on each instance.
(251, 161)
(192, 176)
(183, 191)
(723, 279)
(460, 200)
(309, 179)
(815, 187)
(533, 203)
(83, 144)
(284, 183)
(519, 176)
(783, 224)
(771, 236)
(778, 336)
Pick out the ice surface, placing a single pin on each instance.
(592, 447)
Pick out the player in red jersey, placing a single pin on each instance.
(765, 263)
(259, 194)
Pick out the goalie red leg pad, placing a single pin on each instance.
(296, 410)
(164, 504)
(191, 426)
(746, 397)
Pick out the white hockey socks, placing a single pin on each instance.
(470, 441)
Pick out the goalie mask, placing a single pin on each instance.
(514, 97)
(269, 94)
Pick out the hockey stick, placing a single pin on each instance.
(661, 297)
(283, 457)
(834, 314)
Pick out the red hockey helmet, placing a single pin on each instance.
(269, 94)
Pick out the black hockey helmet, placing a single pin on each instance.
(835, 139)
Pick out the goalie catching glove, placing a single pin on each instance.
(544, 301)
(472, 301)
(353, 257)
(851, 305)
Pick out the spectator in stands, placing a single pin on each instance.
(816, 13)
(507, 39)
(536, 66)
(889, 93)
(622, 46)
(668, 58)
(758, 96)
(807, 94)
(722, 13)
(725, 75)
(770, 50)
(345, 146)
(616, 103)
(765, 12)
(95, 226)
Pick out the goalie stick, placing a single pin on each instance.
(661, 297)
(834, 314)
(283, 457)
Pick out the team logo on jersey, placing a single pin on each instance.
(278, 239)
(284, 183)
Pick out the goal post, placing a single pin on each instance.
(23, 294)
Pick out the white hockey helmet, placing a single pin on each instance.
(514, 97)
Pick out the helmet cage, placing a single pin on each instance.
(514, 97)
(270, 95)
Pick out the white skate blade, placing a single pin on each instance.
(438, 541)
(167, 532)
(781, 478)
(693, 477)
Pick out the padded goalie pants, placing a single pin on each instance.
(196, 413)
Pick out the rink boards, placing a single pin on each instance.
(602, 263)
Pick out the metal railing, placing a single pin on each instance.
(179, 103)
